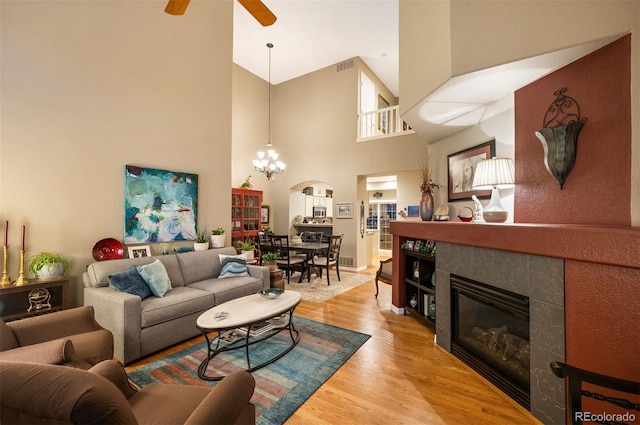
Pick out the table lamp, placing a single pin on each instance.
(494, 173)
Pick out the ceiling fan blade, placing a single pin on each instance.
(259, 11)
(176, 7)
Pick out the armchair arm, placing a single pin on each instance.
(261, 272)
(227, 402)
(54, 352)
(56, 325)
(120, 313)
(116, 374)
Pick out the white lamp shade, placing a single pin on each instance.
(494, 172)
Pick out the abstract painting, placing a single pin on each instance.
(159, 205)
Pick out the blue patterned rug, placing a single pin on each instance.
(281, 387)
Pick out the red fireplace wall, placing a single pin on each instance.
(598, 190)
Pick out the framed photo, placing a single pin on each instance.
(413, 211)
(410, 245)
(461, 167)
(417, 245)
(139, 251)
(382, 116)
(264, 214)
(344, 209)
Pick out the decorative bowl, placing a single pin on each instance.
(440, 217)
(271, 293)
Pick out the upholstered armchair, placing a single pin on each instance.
(38, 393)
(68, 337)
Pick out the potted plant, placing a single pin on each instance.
(202, 240)
(269, 260)
(217, 238)
(48, 266)
(246, 248)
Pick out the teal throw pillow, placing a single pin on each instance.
(233, 266)
(131, 282)
(155, 274)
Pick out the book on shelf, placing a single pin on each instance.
(257, 328)
(229, 337)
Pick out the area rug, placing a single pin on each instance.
(281, 387)
(318, 291)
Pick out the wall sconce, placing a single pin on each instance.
(559, 136)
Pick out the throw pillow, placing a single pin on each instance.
(233, 266)
(131, 282)
(155, 274)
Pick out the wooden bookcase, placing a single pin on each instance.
(419, 280)
(245, 214)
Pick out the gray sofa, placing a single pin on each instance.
(142, 327)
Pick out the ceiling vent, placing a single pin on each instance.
(345, 65)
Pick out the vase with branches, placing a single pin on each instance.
(427, 187)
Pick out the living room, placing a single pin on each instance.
(88, 87)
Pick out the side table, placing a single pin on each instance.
(37, 297)
(276, 279)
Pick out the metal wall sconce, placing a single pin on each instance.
(559, 136)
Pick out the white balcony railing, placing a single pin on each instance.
(381, 123)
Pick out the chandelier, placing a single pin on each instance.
(269, 165)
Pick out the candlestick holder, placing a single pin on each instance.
(5, 281)
(21, 280)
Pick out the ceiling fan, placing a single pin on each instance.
(254, 7)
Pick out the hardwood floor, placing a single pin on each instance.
(399, 376)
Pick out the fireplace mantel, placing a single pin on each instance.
(609, 245)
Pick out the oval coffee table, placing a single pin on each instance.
(246, 312)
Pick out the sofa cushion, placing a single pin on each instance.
(229, 289)
(177, 303)
(233, 266)
(201, 265)
(131, 282)
(156, 277)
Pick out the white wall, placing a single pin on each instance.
(89, 86)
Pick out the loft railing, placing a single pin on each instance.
(381, 123)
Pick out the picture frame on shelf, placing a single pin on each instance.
(461, 167)
(417, 245)
(344, 209)
(139, 251)
(410, 245)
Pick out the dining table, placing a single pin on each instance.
(309, 248)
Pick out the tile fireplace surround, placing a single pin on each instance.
(528, 259)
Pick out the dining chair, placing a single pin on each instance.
(264, 245)
(330, 260)
(312, 237)
(287, 262)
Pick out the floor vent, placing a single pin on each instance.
(346, 261)
(345, 65)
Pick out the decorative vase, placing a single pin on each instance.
(200, 246)
(426, 206)
(51, 271)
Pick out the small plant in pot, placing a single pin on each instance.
(246, 248)
(48, 266)
(217, 238)
(202, 240)
(269, 260)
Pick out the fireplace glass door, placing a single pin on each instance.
(491, 334)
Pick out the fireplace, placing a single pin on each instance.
(490, 333)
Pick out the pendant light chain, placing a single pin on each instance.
(269, 163)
